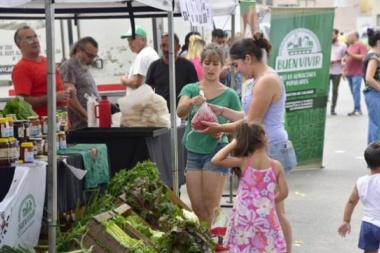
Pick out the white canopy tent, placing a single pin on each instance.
(96, 9)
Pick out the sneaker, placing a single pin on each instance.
(333, 113)
(355, 112)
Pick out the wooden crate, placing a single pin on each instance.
(177, 201)
(126, 210)
(103, 239)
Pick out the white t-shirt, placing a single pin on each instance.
(369, 193)
(142, 62)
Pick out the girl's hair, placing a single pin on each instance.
(251, 46)
(196, 45)
(250, 137)
(373, 36)
(214, 51)
(185, 47)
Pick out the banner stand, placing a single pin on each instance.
(301, 40)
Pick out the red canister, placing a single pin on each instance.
(103, 112)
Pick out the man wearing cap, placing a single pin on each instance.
(145, 56)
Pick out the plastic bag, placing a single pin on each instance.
(143, 108)
(204, 113)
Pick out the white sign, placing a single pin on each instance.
(21, 209)
(197, 13)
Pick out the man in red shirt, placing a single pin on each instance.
(29, 75)
(356, 52)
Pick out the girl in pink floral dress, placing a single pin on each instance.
(254, 226)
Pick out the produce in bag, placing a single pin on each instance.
(204, 113)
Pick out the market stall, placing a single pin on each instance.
(128, 146)
(46, 9)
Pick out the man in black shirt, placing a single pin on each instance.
(158, 73)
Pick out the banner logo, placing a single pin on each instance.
(26, 214)
(299, 50)
(4, 223)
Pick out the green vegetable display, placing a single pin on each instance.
(136, 222)
(133, 245)
(125, 178)
(150, 200)
(20, 107)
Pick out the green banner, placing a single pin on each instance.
(248, 18)
(301, 39)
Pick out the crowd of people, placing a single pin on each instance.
(248, 137)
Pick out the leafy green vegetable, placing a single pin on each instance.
(96, 204)
(125, 178)
(150, 200)
(20, 107)
(137, 223)
(133, 245)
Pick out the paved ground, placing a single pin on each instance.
(317, 197)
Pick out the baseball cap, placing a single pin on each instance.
(138, 31)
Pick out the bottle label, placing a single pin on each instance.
(44, 128)
(4, 153)
(4, 131)
(34, 130)
(27, 132)
(28, 156)
(20, 131)
(62, 144)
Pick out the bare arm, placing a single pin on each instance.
(283, 190)
(35, 101)
(362, 53)
(356, 56)
(345, 228)
(74, 103)
(134, 82)
(223, 158)
(227, 113)
(186, 103)
(369, 76)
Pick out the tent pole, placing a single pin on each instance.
(173, 105)
(52, 156)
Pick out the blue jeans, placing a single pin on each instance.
(372, 100)
(355, 83)
(285, 154)
(196, 161)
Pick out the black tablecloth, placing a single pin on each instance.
(6, 177)
(128, 146)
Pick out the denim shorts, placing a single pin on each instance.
(285, 154)
(369, 238)
(202, 162)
